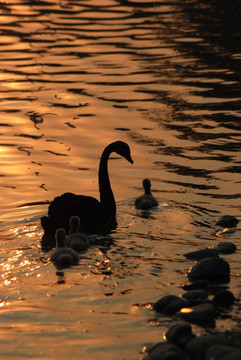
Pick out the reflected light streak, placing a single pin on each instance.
(3, 303)
(186, 310)
(7, 282)
(24, 263)
(28, 231)
(144, 349)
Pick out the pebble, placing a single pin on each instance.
(164, 351)
(201, 254)
(222, 352)
(199, 284)
(198, 347)
(195, 297)
(224, 299)
(225, 247)
(170, 304)
(200, 314)
(227, 221)
(213, 269)
(180, 334)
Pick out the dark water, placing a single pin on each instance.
(75, 76)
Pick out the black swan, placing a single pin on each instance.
(94, 215)
(146, 201)
(75, 239)
(63, 257)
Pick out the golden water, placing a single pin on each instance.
(75, 76)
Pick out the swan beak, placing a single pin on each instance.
(130, 159)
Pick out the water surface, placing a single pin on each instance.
(75, 76)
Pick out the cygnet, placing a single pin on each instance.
(146, 201)
(63, 257)
(75, 239)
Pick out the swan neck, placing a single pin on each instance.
(106, 195)
(148, 191)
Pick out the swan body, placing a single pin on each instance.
(146, 201)
(94, 215)
(75, 239)
(63, 257)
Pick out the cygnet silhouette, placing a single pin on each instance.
(75, 239)
(63, 257)
(146, 201)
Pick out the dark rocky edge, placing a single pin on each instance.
(206, 299)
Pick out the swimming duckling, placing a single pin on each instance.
(63, 257)
(146, 201)
(75, 239)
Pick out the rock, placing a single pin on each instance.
(214, 269)
(195, 297)
(224, 299)
(164, 351)
(198, 347)
(199, 284)
(201, 254)
(222, 352)
(225, 231)
(170, 304)
(200, 314)
(179, 334)
(225, 247)
(227, 221)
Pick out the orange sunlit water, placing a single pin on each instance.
(74, 77)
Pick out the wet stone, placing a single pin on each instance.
(201, 254)
(170, 304)
(164, 351)
(180, 334)
(195, 297)
(225, 247)
(227, 221)
(214, 269)
(199, 346)
(225, 231)
(224, 299)
(222, 352)
(199, 314)
(199, 284)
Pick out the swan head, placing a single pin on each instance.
(146, 184)
(122, 148)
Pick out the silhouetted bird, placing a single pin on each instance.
(94, 215)
(146, 201)
(75, 239)
(63, 257)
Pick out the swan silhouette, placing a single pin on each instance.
(63, 257)
(94, 215)
(146, 201)
(75, 239)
